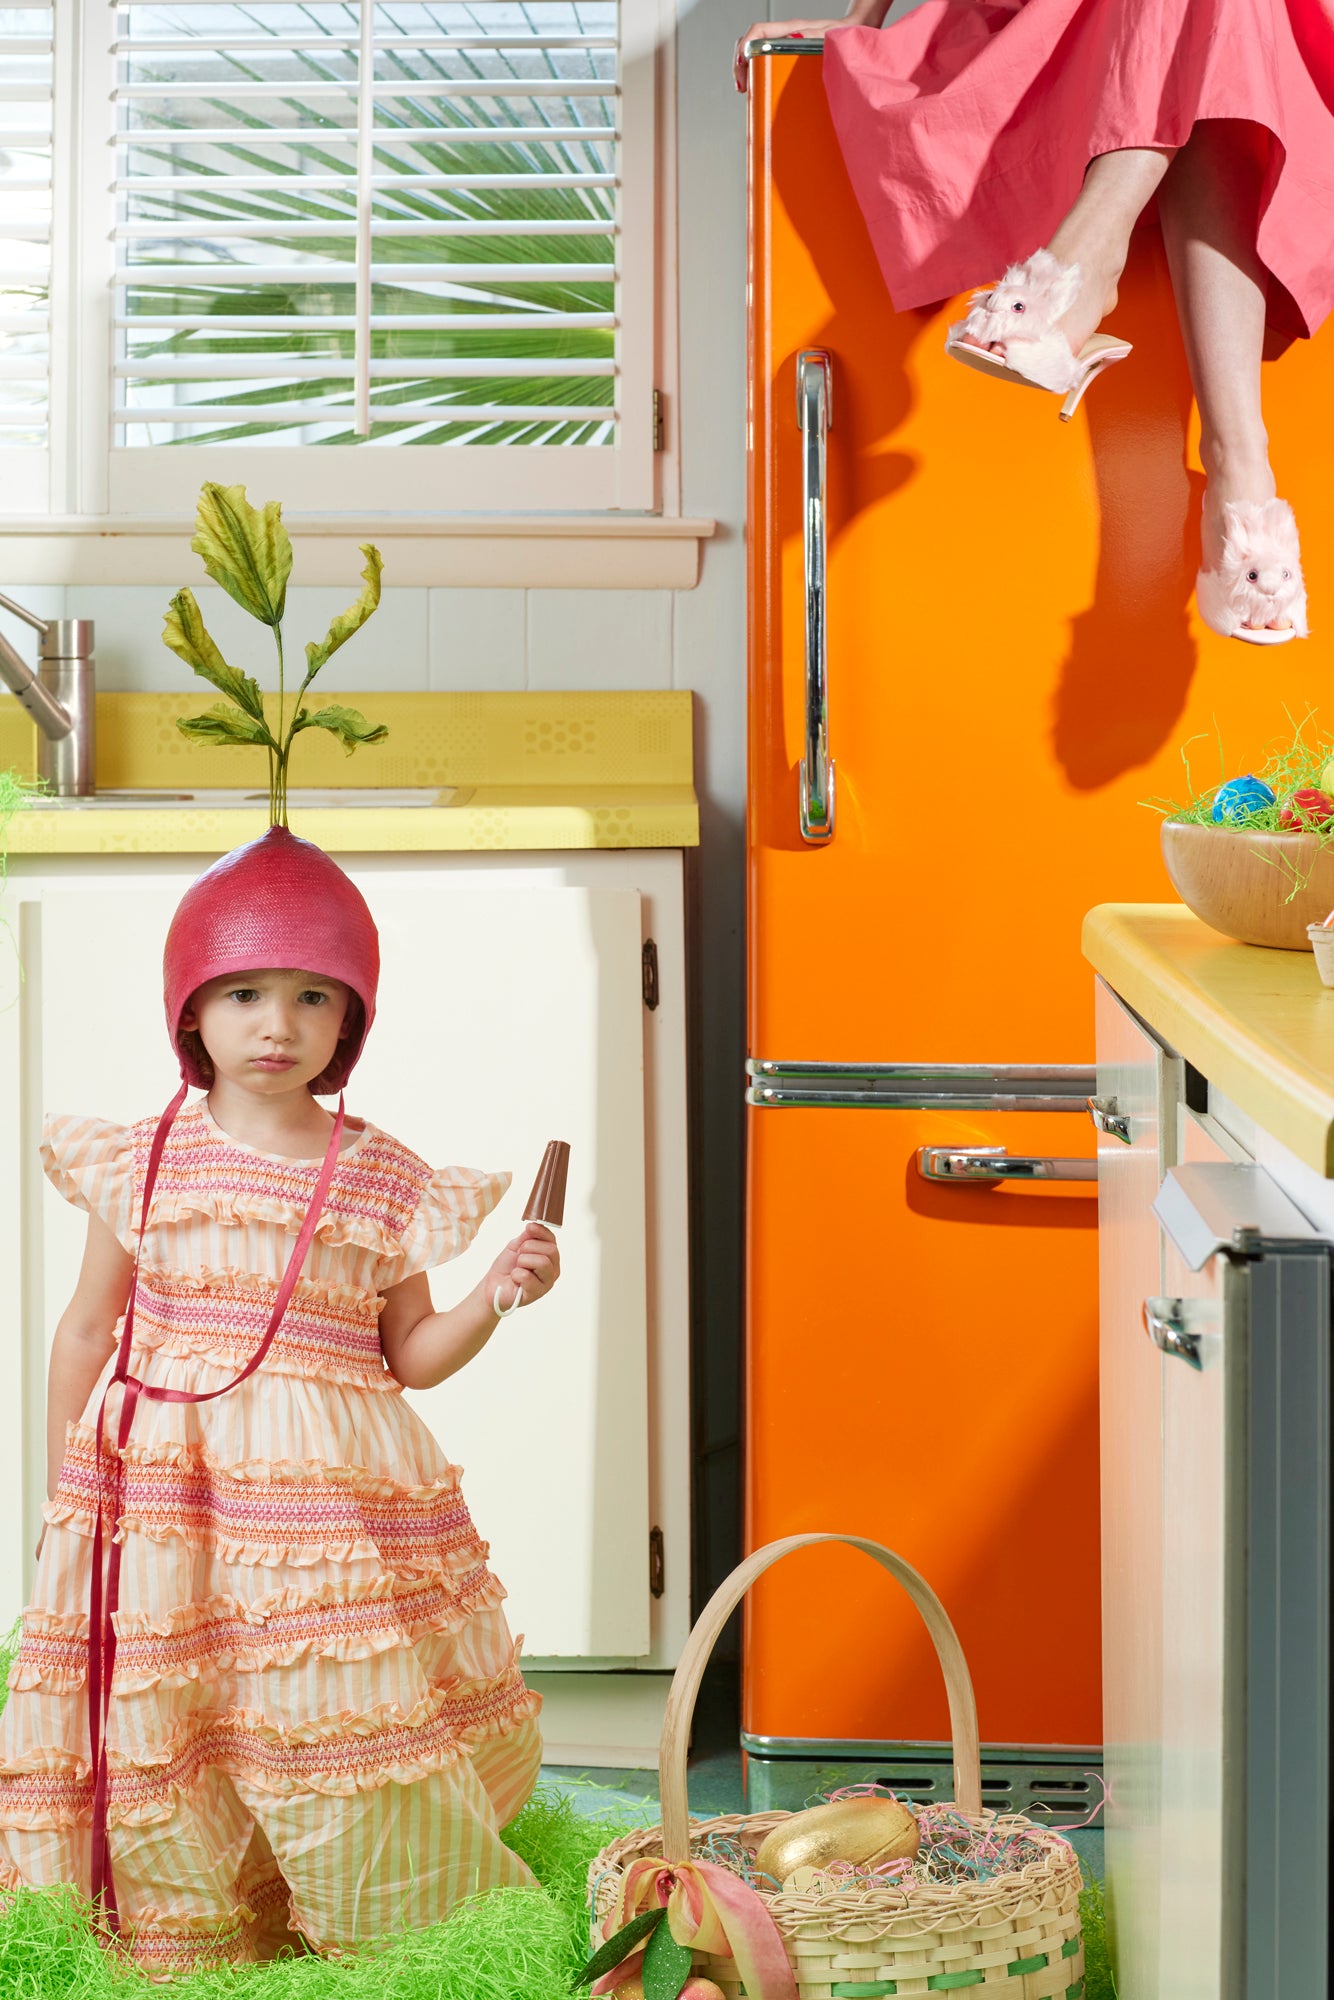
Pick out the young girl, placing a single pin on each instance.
(284, 1697)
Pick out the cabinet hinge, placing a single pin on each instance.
(658, 419)
(650, 965)
(656, 1583)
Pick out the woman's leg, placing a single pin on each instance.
(1209, 205)
(1095, 232)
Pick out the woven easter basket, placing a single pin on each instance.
(1015, 1936)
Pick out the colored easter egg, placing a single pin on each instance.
(1308, 807)
(1239, 797)
(864, 1830)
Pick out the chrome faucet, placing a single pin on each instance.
(59, 698)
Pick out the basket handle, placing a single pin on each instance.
(698, 1647)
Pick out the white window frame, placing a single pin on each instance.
(92, 489)
(25, 469)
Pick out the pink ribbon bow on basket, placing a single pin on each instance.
(708, 1909)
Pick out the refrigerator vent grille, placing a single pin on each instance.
(1059, 1789)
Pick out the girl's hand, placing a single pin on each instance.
(860, 14)
(526, 1269)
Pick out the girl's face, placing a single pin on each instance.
(270, 1032)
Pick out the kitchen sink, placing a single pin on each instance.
(299, 798)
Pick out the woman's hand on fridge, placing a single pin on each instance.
(860, 14)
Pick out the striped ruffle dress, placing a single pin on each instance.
(317, 1716)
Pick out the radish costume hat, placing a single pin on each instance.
(274, 903)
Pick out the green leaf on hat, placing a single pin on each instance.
(185, 632)
(608, 1956)
(222, 724)
(349, 725)
(349, 621)
(245, 549)
(666, 1966)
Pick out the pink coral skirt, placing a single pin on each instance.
(967, 126)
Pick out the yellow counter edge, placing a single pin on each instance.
(579, 769)
(1255, 1022)
(659, 821)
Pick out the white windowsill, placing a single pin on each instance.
(532, 551)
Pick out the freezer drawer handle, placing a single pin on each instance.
(963, 1165)
(815, 404)
(1165, 1324)
(918, 1086)
(1103, 1112)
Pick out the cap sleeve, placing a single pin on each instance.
(454, 1204)
(91, 1163)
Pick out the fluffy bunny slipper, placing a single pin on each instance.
(1020, 312)
(1259, 578)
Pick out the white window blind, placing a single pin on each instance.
(389, 227)
(25, 252)
(364, 255)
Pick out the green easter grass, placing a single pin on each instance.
(15, 793)
(1288, 767)
(512, 1944)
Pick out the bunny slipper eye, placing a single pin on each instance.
(1287, 576)
(1252, 576)
(1018, 306)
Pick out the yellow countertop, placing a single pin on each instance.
(1256, 1022)
(526, 771)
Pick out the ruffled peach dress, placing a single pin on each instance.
(317, 1717)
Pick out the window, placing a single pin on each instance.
(383, 255)
(25, 252)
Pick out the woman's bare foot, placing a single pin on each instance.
(1095, 234)
(1239, 478)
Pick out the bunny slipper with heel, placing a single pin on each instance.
(1020, 313)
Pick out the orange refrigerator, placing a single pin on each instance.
(973, 654)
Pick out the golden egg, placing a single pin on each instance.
(865, 1830)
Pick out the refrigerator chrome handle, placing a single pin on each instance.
(919, 1086)
(783, 45)
(1175, 1326)
(971, 1165)
(815, 395)
(1103, 1112)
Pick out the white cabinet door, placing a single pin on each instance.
(508, 1016)
(1192, 1598)
(1141, 1077)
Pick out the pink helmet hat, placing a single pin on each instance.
(277, 902)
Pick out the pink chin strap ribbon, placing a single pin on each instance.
(102, 1603)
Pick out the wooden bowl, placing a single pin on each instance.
(1238, 881)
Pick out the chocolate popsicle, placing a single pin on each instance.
(546, 1203)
